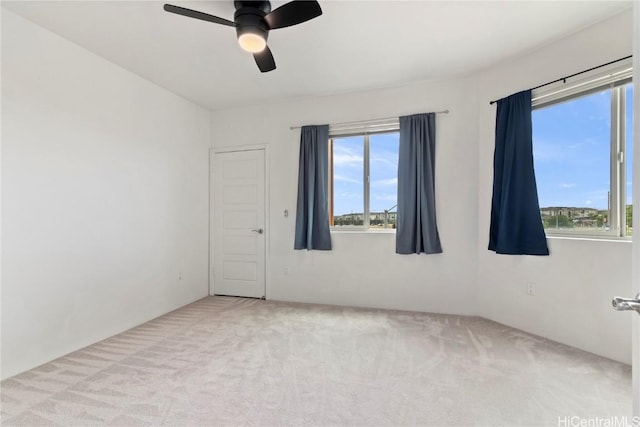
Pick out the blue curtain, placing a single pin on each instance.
(516, 227)
(417, 231)
(312, 215)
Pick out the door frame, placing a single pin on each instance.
(232, 149)
(635, 286)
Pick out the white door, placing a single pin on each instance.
(238, 239)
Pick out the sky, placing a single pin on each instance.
(348, 173)
(571, 151)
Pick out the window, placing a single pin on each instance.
(582, 148)
(363, 180)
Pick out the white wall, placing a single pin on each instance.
(575, 284)
(104, 198)
(363, 269)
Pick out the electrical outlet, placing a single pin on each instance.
(179, 275)
(531, 289)
(285, 270)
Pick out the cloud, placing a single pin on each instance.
(342, 178)
(384, 197)
(347, 159)
(585, 142)
(385, 182)
(350, 196)
(588, 202)
(391, 161)
(347, 156)
(567, 185)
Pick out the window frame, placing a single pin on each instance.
(379, 129)
(615, 79)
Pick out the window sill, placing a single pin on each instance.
(362, 231)
(609, 239)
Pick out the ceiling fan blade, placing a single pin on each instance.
(292, 13)
(265, 60)
(198, 15)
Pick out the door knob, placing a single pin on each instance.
(623, 304)
(257, 230)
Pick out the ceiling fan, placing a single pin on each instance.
(254, 19)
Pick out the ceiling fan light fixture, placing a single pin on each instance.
(251, 42)
(253, 19)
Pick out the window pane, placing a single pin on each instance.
(629, 157)
(348, 186)
(571, 144)
(383, 179)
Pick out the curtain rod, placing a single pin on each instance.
(564, 79)
(367, 121)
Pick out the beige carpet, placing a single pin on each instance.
(232, 361)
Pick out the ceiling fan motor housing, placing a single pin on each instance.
(249, 17)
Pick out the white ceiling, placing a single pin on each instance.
(354, 45)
